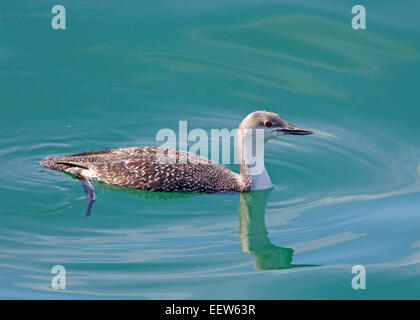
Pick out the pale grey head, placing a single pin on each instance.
(272, 124)
(251, 154)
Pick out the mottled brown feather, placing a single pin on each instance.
(139, 168)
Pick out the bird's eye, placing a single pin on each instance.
(267, 124)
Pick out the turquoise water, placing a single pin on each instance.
(347, 195)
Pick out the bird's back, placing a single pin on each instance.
(142, 168)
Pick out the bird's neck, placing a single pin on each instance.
(250, 151)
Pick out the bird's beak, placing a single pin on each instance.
(295, 131)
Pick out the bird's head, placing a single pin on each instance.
(272, 124)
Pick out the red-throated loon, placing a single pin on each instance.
(140, 167)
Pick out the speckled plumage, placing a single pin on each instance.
(139, 168)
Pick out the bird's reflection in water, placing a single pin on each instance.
(253, 234)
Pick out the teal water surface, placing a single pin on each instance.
(347, 195)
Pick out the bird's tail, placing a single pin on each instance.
(54, 163)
